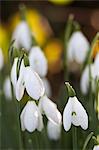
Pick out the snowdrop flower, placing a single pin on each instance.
(30, 80)
(38, 61)
(78, 47)
(7, 89)
(49, 108)
(84, 83)
(1, 59)
(22, 36)
(53, 130)
(31, 118)
(14, 71)
(47, 86)
(96, 147)
(74, 113)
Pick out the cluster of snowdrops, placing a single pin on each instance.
(29, 68)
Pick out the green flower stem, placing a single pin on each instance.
(66, 39)
(87, 140)
(96, 105)
(89, 54)
(74, 136)
(91, 104)
(89, 57)
(92, 112)
(1, 108)
(18, 120)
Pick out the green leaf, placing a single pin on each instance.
(87, 140)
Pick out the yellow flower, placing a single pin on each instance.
(95, 49)
(4, 41)
(61, 2)
(53, 52)
(38, 24)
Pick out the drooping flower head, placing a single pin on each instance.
(85, 78)
(28, 79)
(22, 36)
(47, 86)
(78, 47)
(31, 118)
(49, 108)
(38, 61)
(74, 113)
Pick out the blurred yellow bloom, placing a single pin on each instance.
(53, 52)
(38, 24)
(61, 2)
(95, 48)
(4, 41)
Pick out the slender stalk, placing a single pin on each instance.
(91, 105)
(1, 108)
(17, 117)
(74, 136)
(67, 35)
(87, 140)
(90, 52)
(96, 105)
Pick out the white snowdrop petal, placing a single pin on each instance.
(7, 89)
(70, 56)
(31, 116)
(84, 121)
(47, 86)
(22, 36)
(81, 115)
(67, 115)
(33, 83)
(14, 72)
(40, 106)
(75, 111)
(82, 47)
(84, 82)
(53, 130)
(22, 67)
(19, 91)
(78, 47)
(40, 121)
(38, 61)
(22, 118)
(50, 110)
(1, 59)
(25, 39)
(96, 147)
(20, 88)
